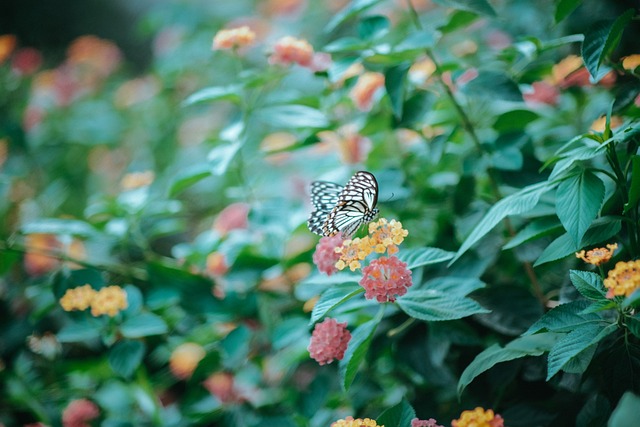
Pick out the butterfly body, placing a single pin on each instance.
(343, 209)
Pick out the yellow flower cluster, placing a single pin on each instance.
(386, 235)
(383, 236)
(352, 252)
(623, 279)
(358, 422)
(478, 418)
(597, 256)
(108, 300)
(233, 38)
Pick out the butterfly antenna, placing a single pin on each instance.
(391, 197)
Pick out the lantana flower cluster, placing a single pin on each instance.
(109, 300)
(479, 417)
(623, 279)
(329, 341)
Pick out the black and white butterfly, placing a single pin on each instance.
(343, 209)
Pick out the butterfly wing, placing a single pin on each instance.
(356, 206)
(324, 197)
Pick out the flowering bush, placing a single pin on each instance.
(155, 263)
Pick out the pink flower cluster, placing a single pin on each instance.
(329, 341)
(79, 412)
(385, 278)
(424, 423)
(325, 256)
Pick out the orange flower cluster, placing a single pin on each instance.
(383, 236)
(365, 88)
(478, 418)
(185, 359)
(108, 300)
(135, 180)
(597, 256)
(233, 38)
(624, 279)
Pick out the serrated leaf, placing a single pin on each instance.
(188, 177)
(59, 227)
(564, 318)
(533, 345)
(633, 324)
(332, 298)
(492, 85)
(601, 230)
(578, 201)
(349, 11)
(373, 27)
(399, 415)
(394, 83)
(600, 41)
(292, 117)
(215, 93)
(568, 159)
(357, 349)
(515, 204)
(481, 7)
(564, 8)
(79, 332)
(626, 413)
(634, 189)
(534, 230)
(143, 325)
(125, 357)
(418, 257)
(588, 284)
(575, 342)
(443, 300)
(220, 157)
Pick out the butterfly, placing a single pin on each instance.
(343, 209)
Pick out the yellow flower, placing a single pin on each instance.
(352, 252)
(597, 256)
(478, 418)
(631, 62)
(623, 279)
(358, 422)
(79, 298)
(109, 300)
(386, 235)
(135, 180)
(185, 358)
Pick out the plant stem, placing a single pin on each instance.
(470, 130)
(621, 180)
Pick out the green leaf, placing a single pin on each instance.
(79, 332)
(575, 342)
(215, 93)
(601, 230)
(600, 41)
(633, 300)
(372, 27)
(395, 83)
(493, 85)
(626, 413)
(59, 227)
(515, 204)
(633, 324)
(564, 8)
(416, 41)
(346, 44)
(444, 299)
(564, 318)
(220, 157)
(236, 346)
(578, 201)
(534, 230)
(568, 159)
(481, 7)
(533, 345)
(126, 356)
(349, 11)
(418, 257)
(188, 177)
(588, 284)
(356, 351)
(292, 117)
(514, 120)
(399, 415)
(634, 190)
(289, 332)
(143, 325)
(332, 298)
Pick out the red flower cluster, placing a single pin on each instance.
(385, 278)
(325, 256)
